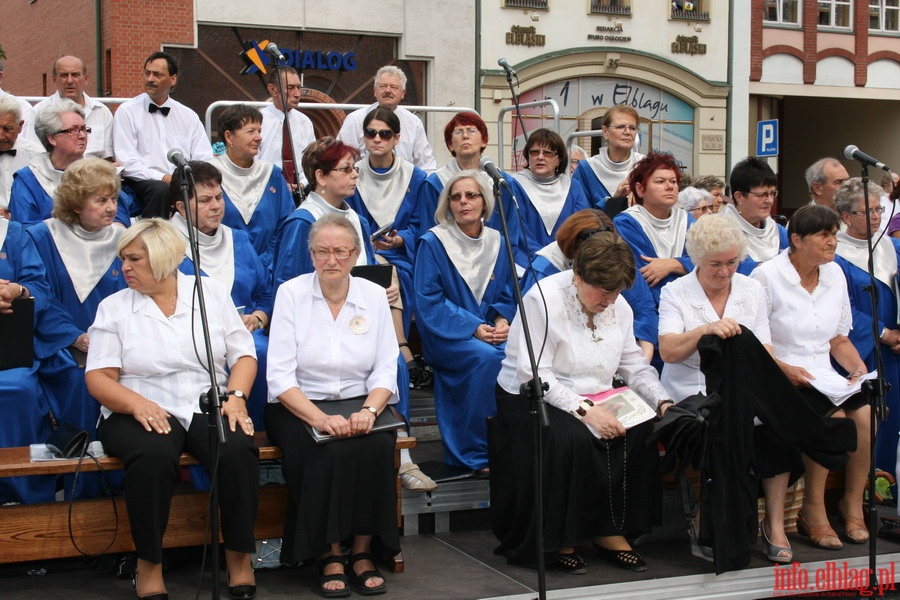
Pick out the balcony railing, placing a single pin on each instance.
(610, 8)
(690, 15)
(539, 4)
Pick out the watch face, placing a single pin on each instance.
(238, 394)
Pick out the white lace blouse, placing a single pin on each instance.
(683, 306)
(803, 324)
(575, 360)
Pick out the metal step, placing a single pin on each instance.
(465, 494)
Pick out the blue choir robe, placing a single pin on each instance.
(61, 371)
(24, 400)
(465, 368)
(408, 225)
(292, 259)
(252, 290)
(632, 232)
(861, 337)
(275, 204)
(29, 202)
(747, 265)
(592, 186)
(638, 296)
(535, 232)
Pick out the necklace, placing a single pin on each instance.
(612, 514)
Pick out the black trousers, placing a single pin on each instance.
(153, 197)
(151, 471)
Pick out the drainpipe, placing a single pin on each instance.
(98, 15)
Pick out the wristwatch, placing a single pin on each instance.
(235, 393)
(371, 409)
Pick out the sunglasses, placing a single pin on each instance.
(386, 134)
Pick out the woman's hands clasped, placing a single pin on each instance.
(359, 423)
(493, 335)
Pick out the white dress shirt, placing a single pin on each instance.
(157, 356)
(302, 135)
(413, 145)
(575, 360)
(803, 324)
(684, 306)
(26, 152)
(27, 117)
(142, 140)
(328, 358)
(96, 116)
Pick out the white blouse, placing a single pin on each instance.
(683, 306)
(157, 356)
(328, 358)
(575, 360)
(803, 324)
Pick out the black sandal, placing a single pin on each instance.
(570, 564)
(358, 582)
(626, 559)
(342, 577)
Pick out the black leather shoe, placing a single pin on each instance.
(242, 592)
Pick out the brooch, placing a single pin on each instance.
(359, 324)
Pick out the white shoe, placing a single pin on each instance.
(414, 479)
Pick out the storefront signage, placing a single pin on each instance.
(609, 33)
(525, 36)
(258, 59)
(685, 44)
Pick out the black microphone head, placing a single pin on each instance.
(849, 151)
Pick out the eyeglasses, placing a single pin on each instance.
(535, 152)
(878, 210)
(768, 194)
(621, 128)
(339, 253)
(347, 170)
(470, 195)
(385, 134)
(703, 209)
(75, 130)
(469, 131)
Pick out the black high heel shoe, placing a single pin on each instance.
(245, 591)
(159, 596)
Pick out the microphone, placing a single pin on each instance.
(505, 64)
(488, 166)
(176, 157)
(275, 52)
(851, 152)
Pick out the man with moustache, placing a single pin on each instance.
(390, 89)
(16, 152)
(70, 76)
(146, 127)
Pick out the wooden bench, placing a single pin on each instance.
(30, 532)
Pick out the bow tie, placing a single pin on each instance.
(163, 109)
(11, 152)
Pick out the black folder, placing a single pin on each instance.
(17, 335)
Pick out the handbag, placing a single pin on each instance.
(68, 441)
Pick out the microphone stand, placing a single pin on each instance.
(534, 391)
(211, 400)
(874, 389)
(515, 98)
(297, 192)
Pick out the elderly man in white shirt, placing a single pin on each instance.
(70, 76)
(274, 132)
(390, 89)
(146, 127)
(16, 152)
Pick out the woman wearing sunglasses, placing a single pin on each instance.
(547, 194)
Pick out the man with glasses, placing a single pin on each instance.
(15, 150)
(823, 178)
(275, 132)
(70, 76)
(146, 127)
(390, 89)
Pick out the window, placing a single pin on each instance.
(611, 7)
(884, 15)
(835, 13)
(782, 11)
(539, 4)
(689, 10)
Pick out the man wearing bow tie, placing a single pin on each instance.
(146, 127)
(15, 151)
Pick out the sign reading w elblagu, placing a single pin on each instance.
(259, 61)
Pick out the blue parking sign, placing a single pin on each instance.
(767, 138)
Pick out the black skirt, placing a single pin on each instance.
(335, 490)
(591, 487)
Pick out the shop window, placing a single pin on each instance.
(782, 11)
(687, 10)
(835, 13)
(611, 7)
(539, 4)
(884, 15)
